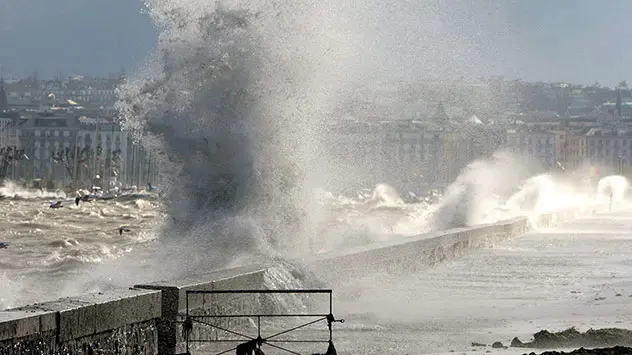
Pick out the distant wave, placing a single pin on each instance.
(499, 188)
(11, 190)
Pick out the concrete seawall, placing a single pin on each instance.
(174, 302)
(107, 322)
(414, 253)
(144, 319)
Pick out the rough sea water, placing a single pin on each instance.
(233, 102)
(76, 249)
(49, 247)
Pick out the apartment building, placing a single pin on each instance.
(610, 148)
(536, 146)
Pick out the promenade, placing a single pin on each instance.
(576, 274)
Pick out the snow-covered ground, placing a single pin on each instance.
(577, 274)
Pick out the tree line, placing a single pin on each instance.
(76, 157)
(72, 158)
(8, 157)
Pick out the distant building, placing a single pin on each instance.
(90, 92)
(535, 145)
(8, 129)
(4, 101)
(42, 136)
(410, 154)
(440, 117)
(109, 146)
(615, 110)
(570, 147)
(610, 148)
(65, 147)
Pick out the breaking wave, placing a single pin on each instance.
(232, 103)
(11, 190)
(477, 192)
(499, 188)
(233, 99)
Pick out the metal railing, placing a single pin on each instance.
(252, 344)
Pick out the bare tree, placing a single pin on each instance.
(72, 159)
(10, 156)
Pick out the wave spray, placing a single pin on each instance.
(233, 99)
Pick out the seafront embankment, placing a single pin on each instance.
(146, 318)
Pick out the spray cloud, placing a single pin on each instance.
(234, 97)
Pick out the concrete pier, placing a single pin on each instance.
(145, 318)
(174, 302)
(123, 319)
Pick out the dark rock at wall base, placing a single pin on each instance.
(617, 350)
(516, 343)
(572, 338)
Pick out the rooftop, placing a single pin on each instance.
(611, 132)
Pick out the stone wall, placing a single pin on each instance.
(122, 321)
(174, 304)
(415, 253)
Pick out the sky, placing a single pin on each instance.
(579, 41)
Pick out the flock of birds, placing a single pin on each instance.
(86, 198)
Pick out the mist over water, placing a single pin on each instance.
(612, 189)
(12, 190)
(235, 98)
(234, 101)
(57, 253)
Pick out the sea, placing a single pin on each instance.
(233, 100)
(117, 242)
(51, 250)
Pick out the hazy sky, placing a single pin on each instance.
(580, 41)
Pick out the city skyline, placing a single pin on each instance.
(572, 41)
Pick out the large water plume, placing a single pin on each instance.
(479, 190)
(498, 188)
(233, 98)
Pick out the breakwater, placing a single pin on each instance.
(146, 319)
(412, 254)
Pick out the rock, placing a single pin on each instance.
(516, 343)
(572, 338)
(617, 350)
(498, 345)
(478, 344)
